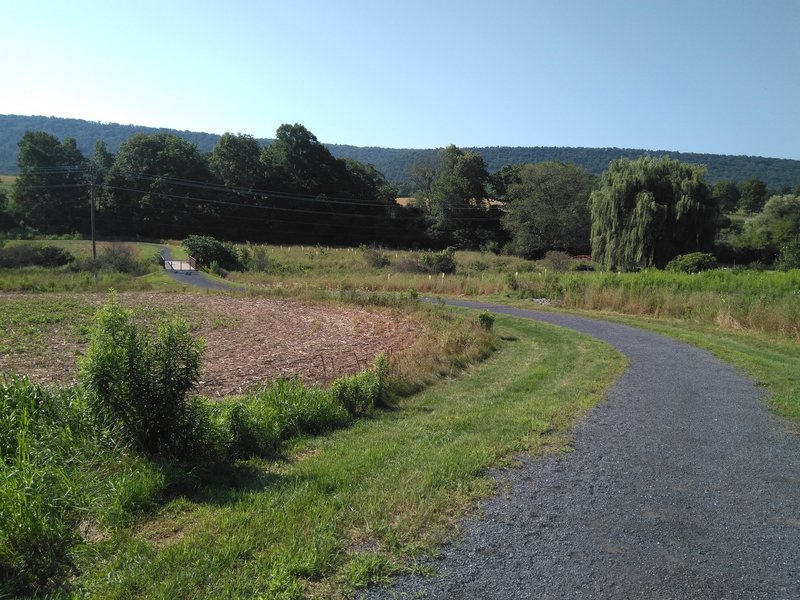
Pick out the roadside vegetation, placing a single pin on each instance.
(82, 464)
(129, 484)
(335, 513)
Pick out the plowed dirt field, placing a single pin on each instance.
(249, 341)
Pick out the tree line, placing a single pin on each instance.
(639, 213)
(394, 163)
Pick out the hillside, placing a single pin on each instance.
(393, 162)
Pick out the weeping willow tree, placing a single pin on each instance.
(648, 211)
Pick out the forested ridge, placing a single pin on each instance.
(394, 163)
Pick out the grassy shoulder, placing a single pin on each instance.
(773, 361)
(350, 508)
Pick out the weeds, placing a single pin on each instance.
(58, 469)
(140, 381)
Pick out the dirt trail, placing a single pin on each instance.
(681, 485)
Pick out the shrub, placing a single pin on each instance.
(790, 256)
(558, 261)
(217, 270)
(119, 258)
(206, 249)
(140, 381)
(486, 320)
(285, 408)
(52, 256)
(18, 256)
(376, 257)
(260, 261)
(692, 263)
(438, 262)
(512, 282)
(245, 256)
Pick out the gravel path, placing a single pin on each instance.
(681, 485)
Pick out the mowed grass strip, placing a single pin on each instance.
(349, 509)
(772, 361)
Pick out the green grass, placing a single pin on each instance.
(355, 505)
(82, 249)
(7, 184)
(56, 472)
(772, 362)
(26, 326)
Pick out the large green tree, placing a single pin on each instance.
(754, 195)
(316, 197)
(298, 162)
(777, 226)
(50, 192)
(726, 195)
(647, 211)
(236, 161)
(155, 189)
(547, 209)
(456, 203)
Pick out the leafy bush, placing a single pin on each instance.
(511, 280)
(692, 263)
(245, 256)
(18, 256)
(215, 269)
(438, 262)
(140, 381)
(558, 261)
(206, 249)
(119, 258)
(376, 257)
(285, 408)
(486, 320)
(790, 255)
(260, 260)
(52, 256)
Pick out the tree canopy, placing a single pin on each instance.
(145, 191)
(648, 211)
(547, 209)
(754, 195)
(51, 191)
(777, 225)
(726, 195)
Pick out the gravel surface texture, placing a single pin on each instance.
(681, 485)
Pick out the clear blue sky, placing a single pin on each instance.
(705, 76)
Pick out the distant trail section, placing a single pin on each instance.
(193, 278)
(681, 485)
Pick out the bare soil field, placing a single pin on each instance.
(249, 341)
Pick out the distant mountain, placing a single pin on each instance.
(394, 163)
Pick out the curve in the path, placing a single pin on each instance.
(681, 485)
(196, 279)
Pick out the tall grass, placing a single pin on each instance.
(62, 478)
(768, 302)
(69, 473)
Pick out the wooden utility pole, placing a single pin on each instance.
(91, 195)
